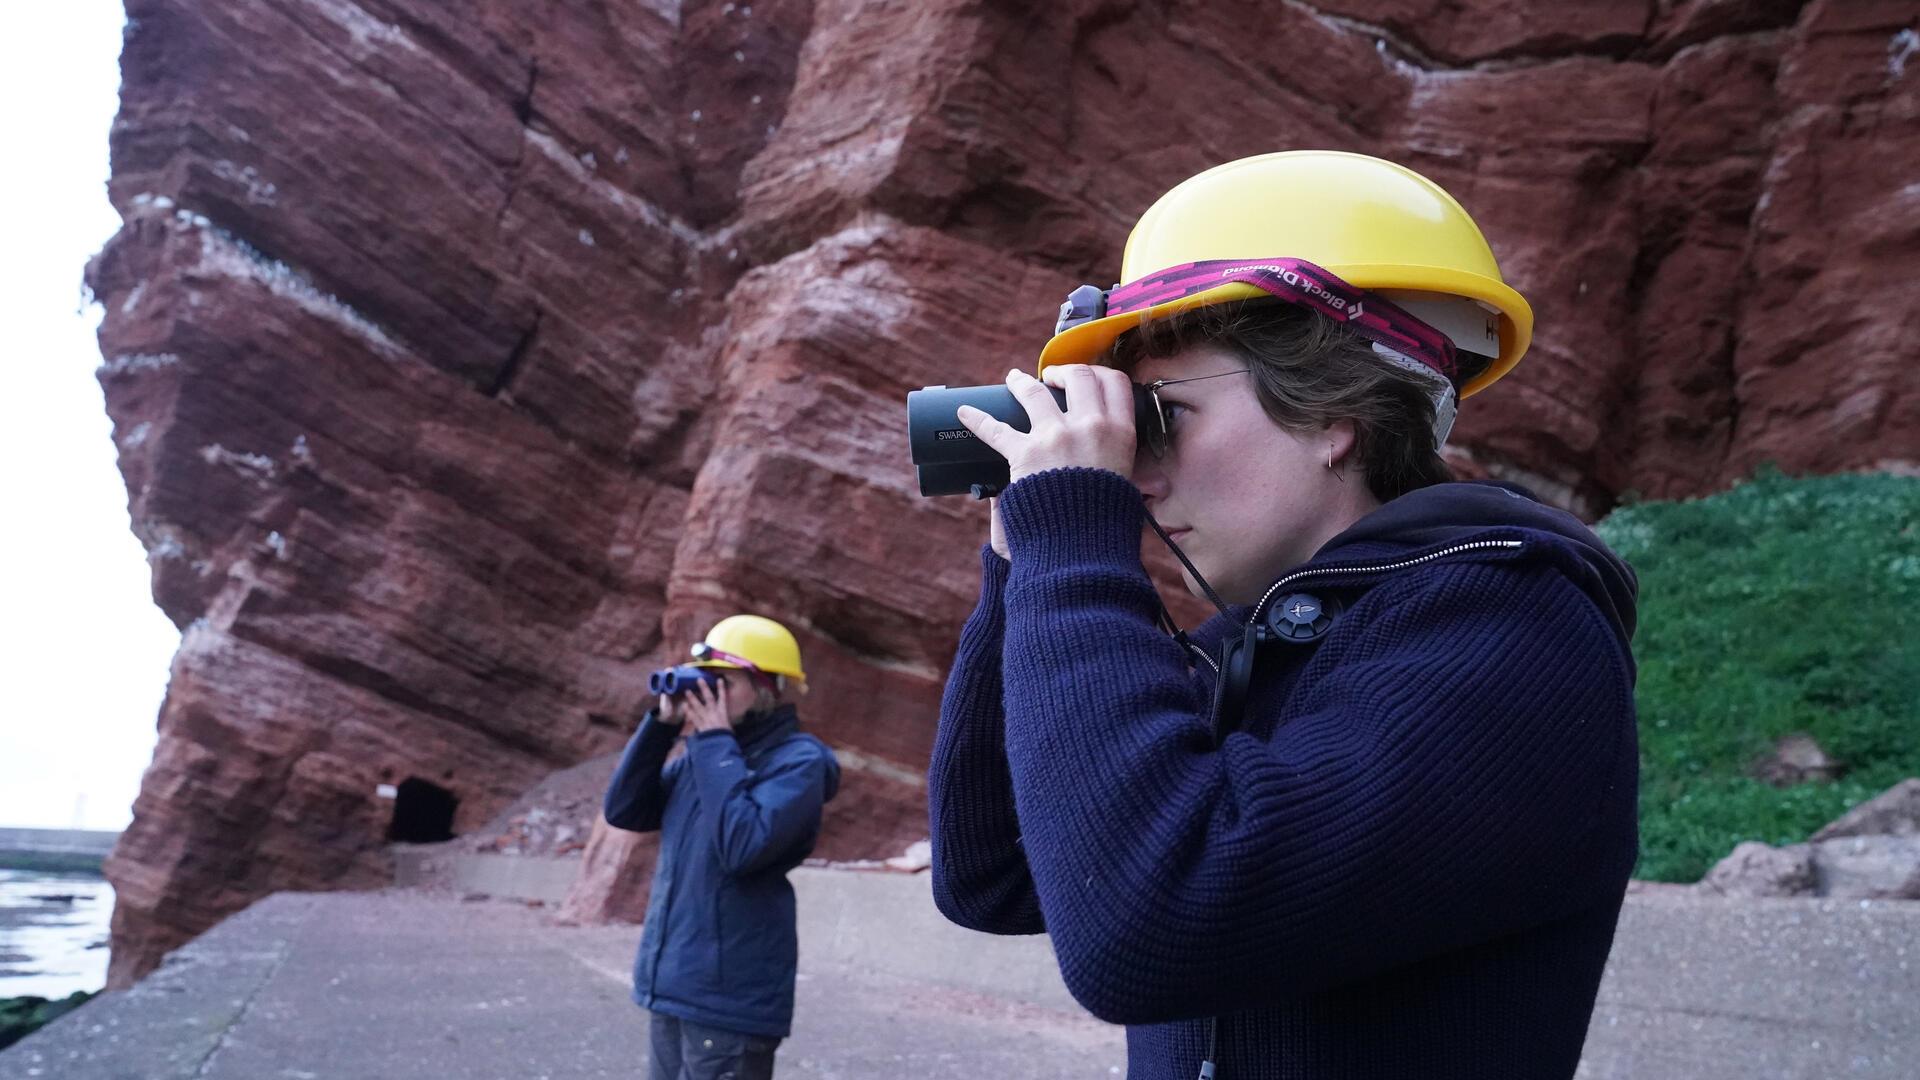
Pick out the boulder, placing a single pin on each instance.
(1759, 870)
(1870, 853)
(1894, 812)
(1868, 867)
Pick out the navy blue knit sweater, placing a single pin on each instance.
(1406, 862)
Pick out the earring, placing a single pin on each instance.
(1329, 458)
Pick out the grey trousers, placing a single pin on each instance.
(683, 1050)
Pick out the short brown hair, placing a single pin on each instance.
(1309, 372)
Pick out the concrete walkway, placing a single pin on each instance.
(1718, 989)
(304, 986)
(370, 985)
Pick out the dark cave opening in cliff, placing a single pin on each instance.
(422, 812)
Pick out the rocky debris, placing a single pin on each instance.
(1845, 860)
(1758, 870)
(467, 361)
(1797, 759)
(537, 832)
(554, 818)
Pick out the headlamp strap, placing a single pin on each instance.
(1296, 281)
(703, 651)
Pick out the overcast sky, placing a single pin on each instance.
(83, 649)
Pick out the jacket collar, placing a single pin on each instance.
(764, 729)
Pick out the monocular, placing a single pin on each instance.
(951, 461)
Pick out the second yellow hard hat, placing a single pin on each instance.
(764, 644)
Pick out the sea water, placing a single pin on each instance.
(53, 933)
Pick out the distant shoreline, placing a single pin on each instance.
(52, 862)
(55, 850)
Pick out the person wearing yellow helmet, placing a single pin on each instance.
(1376, 819)
(741, 807)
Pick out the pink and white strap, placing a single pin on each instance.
(1300, 282)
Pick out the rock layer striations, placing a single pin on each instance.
(466, 359)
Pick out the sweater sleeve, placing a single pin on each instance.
(1432, 783)
(637, 794)
(980, 875)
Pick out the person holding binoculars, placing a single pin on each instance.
(1376, 819)
(736, 811)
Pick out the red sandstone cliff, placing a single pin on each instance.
(467, 358)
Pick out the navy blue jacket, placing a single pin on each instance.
(1406, 862)
(735, 814)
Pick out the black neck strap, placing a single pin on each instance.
(1188, 563)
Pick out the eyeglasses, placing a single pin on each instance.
(1156, 437)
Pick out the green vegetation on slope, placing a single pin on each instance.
(22, 1016)
(1785, 605)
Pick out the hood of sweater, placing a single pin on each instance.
(1435, 518)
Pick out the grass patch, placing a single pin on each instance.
(1783, 605)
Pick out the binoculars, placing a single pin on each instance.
(947, 457)
(674, 681)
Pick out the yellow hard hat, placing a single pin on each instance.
(1378, 226)
(750, 642)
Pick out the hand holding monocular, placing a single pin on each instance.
(951, 461)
